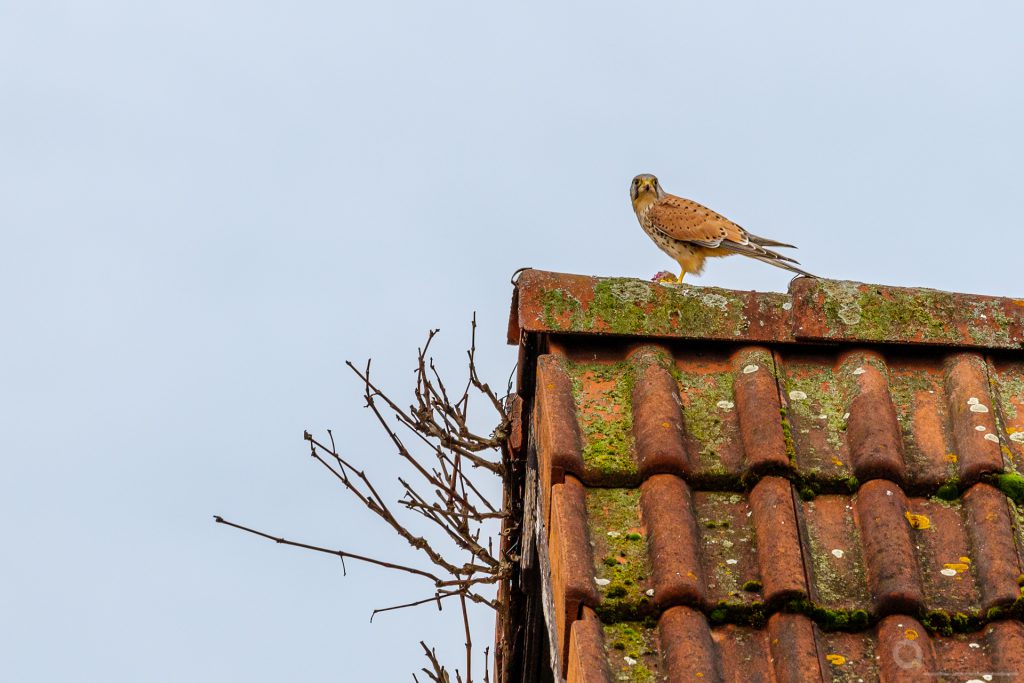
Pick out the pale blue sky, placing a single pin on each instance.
(206, 207)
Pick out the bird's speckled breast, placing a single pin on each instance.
(688, 256)
(673, 247)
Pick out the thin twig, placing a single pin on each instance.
(439, 488)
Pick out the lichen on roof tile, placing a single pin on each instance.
(632, 648)
(712, 430)
(837, 309)
(693, 416)
(627, 306)
(619, 541)
(603, 394)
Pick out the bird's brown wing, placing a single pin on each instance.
(688, 221)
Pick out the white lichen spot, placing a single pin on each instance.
(747, 369)
(631, 291)
(978, 408)
(888, 493)
(629, 660)
(788, 305)
(849, 312)
(726, 543)
(731, 561)
(974, 646)
(601, 582)
(992, 437)
(1017, 436)
(846, 295)
(725, 405)
(859, 371)
(649, 592)
(838, 552)
(987, 677)
(846, 416)
(797, 395)
(716, 301)
(973, 401)
(614, 534)
(979, 428)
(823, 416)
(947, 572)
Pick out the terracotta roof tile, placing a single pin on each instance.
(813, 310)
(683, 646)
(726, 494)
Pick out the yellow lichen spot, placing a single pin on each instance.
(700, 674)
(836, 660)
(917, 521)
(951, 457)
(551, 385)
(837, 462)
(956, 566)
(911, 634)
(1011, 430)
(965, 559)
(665, 425)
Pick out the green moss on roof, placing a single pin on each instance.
(1009, 385)
(831, 587)
(606, 421)
(876, 313)
(948, 623)
(638, 643)
(819, 398)
(620, 550)
(874, 316)
(630, 306)
(752, 614)
(704, 396)
(1012, 486)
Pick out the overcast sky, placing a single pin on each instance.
(206, 207)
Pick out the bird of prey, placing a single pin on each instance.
(689, 232)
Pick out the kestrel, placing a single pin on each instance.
(689, 232)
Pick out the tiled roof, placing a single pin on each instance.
(743, 486)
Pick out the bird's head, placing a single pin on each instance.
(645, 187)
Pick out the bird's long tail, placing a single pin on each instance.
(756, 251)
(765, 242)
(780, 261)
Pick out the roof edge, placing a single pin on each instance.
(813, 310)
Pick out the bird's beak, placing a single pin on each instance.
(644, 185)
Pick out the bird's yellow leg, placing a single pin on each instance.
(682, 272)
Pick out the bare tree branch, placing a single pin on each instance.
(340, 553)
(440, 489)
